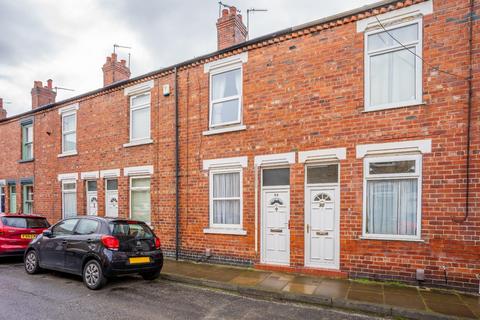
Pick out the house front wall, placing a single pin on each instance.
(301, 92)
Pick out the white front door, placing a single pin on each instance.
(276, 234)
(322, 227)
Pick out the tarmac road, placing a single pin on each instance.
(53, 295)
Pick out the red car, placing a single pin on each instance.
(17, 231)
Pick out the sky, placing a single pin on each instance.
(68, 40)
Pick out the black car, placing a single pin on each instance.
(96, 248)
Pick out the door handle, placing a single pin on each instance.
(308, 228)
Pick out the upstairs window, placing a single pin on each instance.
(27, 141)
(393, 72)
(140, 117)
(69, 133)
(225, 96)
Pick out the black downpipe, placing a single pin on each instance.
(177, 172)
(469, 116)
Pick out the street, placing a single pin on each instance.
(53, 295)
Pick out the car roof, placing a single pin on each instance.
(106, 219)
(17, 215)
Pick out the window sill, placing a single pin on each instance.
(67, 154)
(138, 143)
(391, 239)
(26, 160)
(237, 232)
(224, 130)
(397, 106)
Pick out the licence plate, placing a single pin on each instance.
(28, 236)
(139, 260)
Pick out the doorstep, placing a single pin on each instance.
(364, 296)
(329, 273)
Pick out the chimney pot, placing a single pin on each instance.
(114, 71)
(42, 95)
(230, 29)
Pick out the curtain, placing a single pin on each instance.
(141, 123)
(69, 204)
(141, 205)
(226, 185)
(392, 207)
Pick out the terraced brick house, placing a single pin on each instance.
(347, 146)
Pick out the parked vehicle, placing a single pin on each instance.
(17, 231)
(96, 248)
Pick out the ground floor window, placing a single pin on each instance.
(392, 193)
(140, 207)
(111, 197)
(69, 198)
(2, 200)
(28, 198)
(226, 198)
(13, 198)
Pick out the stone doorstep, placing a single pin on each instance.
(372, 308)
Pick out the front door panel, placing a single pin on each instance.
(322, 230)
(276, 214)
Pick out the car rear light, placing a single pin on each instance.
(110, 242)
(157, 243)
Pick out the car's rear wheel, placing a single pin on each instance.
(150, 275)
(93, 275)
(31, 263)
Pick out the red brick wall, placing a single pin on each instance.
(300, 94)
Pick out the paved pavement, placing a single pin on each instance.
(376, 297)
(59, 296)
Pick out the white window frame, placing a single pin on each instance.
(213, 73)
(68, 191)
(74, 151)
(130, 189)
(107, 191)
(140, 107)
(212, 172)
(418, 45)
(416, 175)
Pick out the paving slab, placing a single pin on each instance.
(381, 298)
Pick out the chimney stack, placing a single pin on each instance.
(42, 95)
(230, 29)
(3, 112)
(114, 71)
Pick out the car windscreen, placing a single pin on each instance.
(30, 223)
(127, 229)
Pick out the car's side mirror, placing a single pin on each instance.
(48, 233)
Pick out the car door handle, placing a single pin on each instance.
(89, 240)
(64, 241)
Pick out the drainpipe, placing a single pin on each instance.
(469, 117)
(177, 172)
(255, 169)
